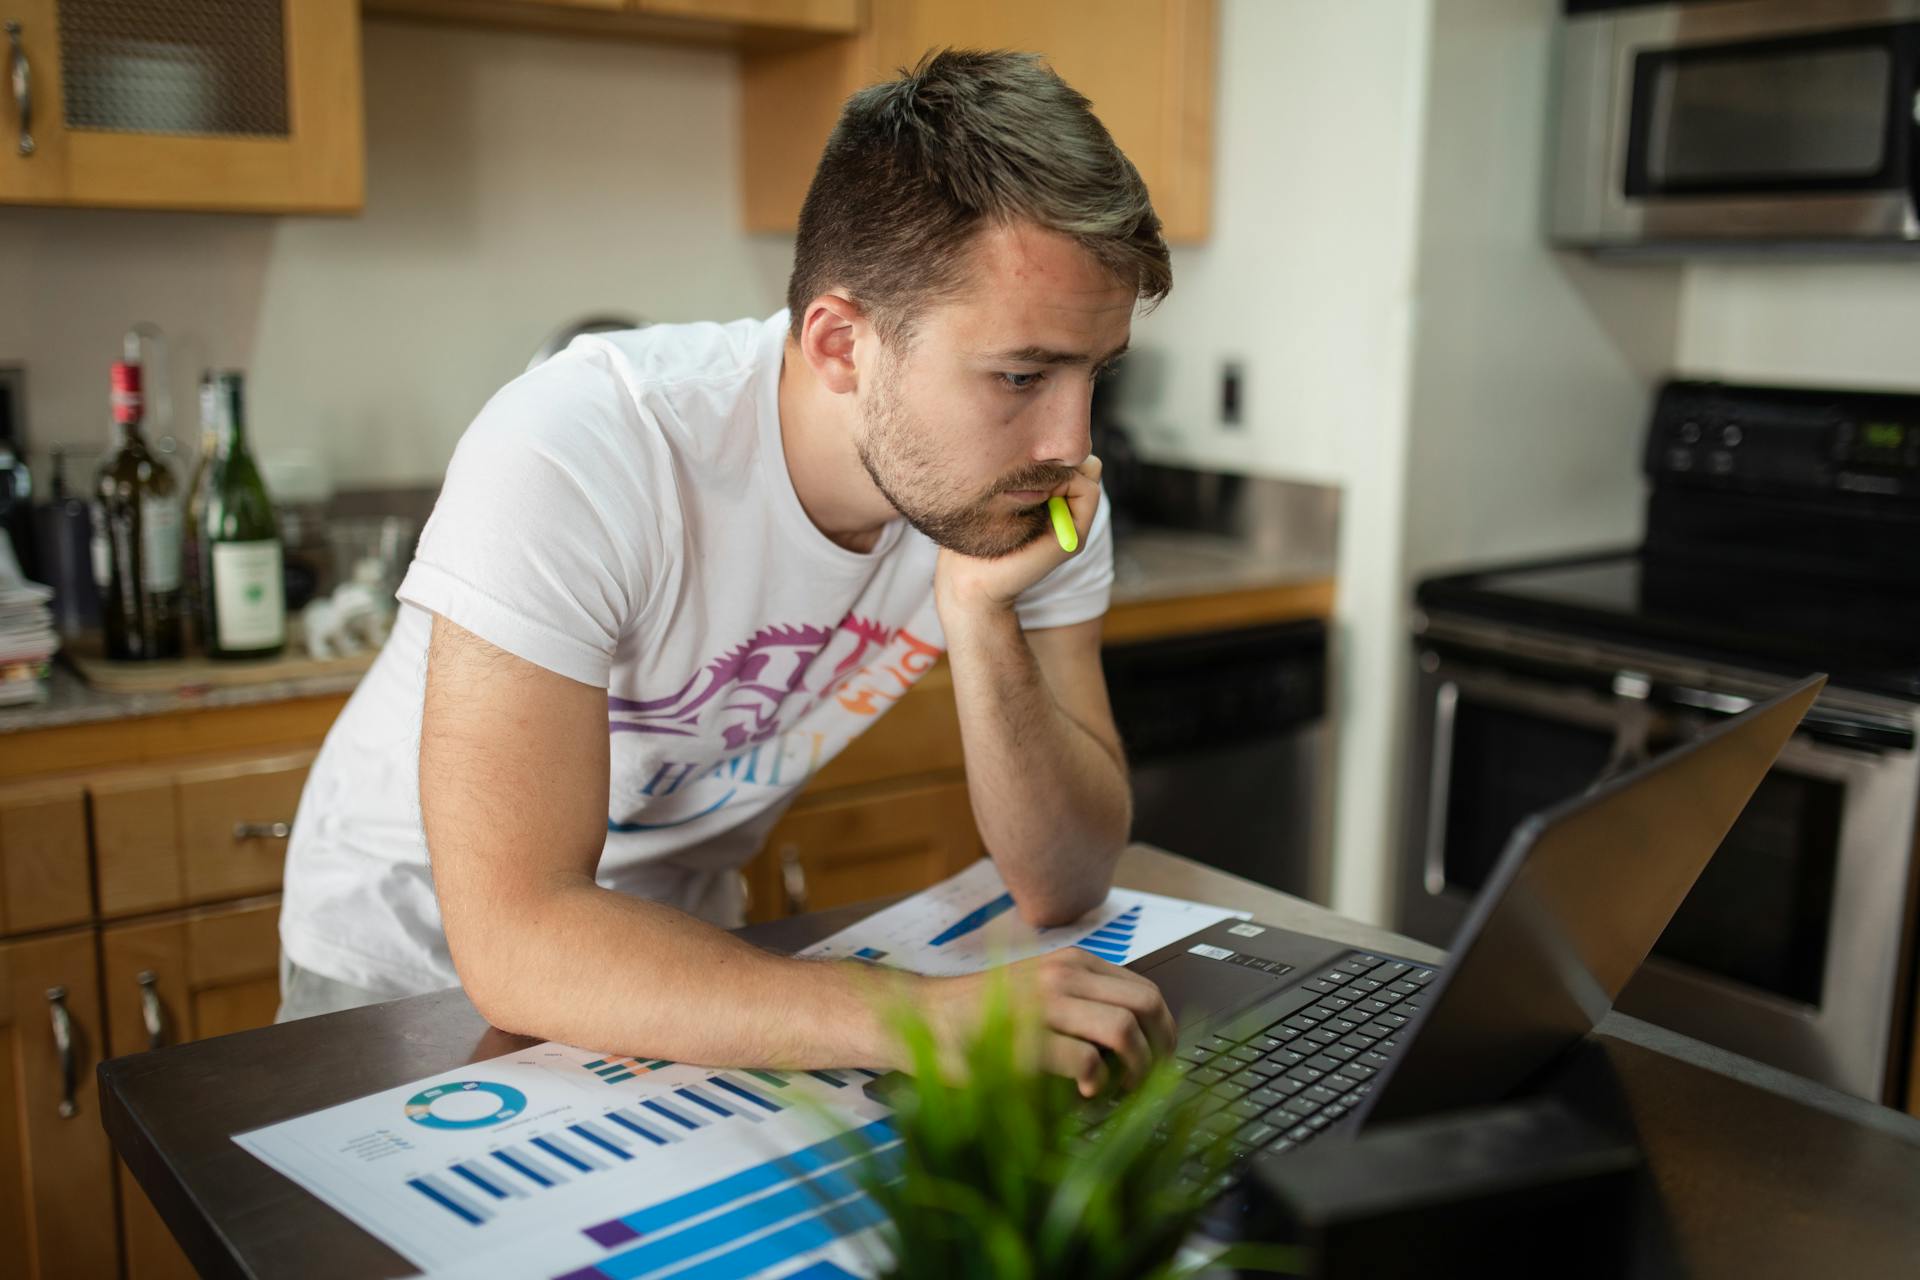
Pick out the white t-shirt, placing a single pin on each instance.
(622, 515)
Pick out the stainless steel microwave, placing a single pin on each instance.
(1729, 121)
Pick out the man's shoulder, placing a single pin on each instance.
(663, 355)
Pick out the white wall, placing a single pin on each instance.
(1852, 323)
(514, 181)
(1378, 267)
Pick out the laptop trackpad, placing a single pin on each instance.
(1195, 987)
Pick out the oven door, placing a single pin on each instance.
(1754, 119)
(1789, 948)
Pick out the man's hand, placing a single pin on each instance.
(969, 583)
(1083, 1005)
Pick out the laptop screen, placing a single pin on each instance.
(1576, 902)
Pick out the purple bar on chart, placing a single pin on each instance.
(609, 1234)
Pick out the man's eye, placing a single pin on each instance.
(1021, 381)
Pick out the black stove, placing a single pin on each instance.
(1782, 534)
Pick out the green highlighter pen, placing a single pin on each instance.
(1063, 525)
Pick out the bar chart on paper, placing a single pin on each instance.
(445, 1170)
(968, 922)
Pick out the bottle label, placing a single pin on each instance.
(160, 530)
(249, 601)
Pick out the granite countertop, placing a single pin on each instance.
(1165, 564)
(1153, 564)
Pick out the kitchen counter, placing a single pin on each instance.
(1153, 570)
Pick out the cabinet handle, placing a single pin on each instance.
(63, 1045)
(261, 831)
(22, 76)
(151, 1012)
(793, 879)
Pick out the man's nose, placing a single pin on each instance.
(1067, 436)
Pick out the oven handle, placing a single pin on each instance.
(1826, 725)
(1446, 706)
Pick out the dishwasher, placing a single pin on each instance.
(1226, 738)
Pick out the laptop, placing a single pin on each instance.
(1290, 1036)
(1286, 1036)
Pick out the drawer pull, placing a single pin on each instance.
(151, 1012)
(20, 72)
(63, 1045)
(793, 879)
(261, 831)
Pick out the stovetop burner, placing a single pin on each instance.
(1866, 638)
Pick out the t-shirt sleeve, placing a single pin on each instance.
(1077, 590)
(539, 543)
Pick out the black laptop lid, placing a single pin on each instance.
(1574, 905)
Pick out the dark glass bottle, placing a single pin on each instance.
(244, 614)
(136, 536)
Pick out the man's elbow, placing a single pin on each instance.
(1046, 910)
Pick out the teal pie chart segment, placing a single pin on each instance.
(465, 1104)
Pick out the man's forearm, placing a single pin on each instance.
(585, 965)
(1050, 798)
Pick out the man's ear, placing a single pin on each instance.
(835, 325)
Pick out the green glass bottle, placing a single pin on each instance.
(244, 611)
(136, 536)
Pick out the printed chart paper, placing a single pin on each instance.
(967, 922)
(566, 1164)
(584, 1155)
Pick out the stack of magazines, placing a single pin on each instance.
(27, 638)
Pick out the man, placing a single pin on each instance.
(669, 569)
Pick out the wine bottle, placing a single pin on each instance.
(193, 582)
(136, 535)
(244, 614)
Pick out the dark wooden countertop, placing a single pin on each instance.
(1757, 1173)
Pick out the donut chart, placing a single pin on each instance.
(469, 1111)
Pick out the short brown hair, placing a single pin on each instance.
(916, 165)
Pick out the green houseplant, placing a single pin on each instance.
(1003, 1172)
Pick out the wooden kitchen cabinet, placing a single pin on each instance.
(898, 839)
(56, 1188)
(1147, 66)
(44, 880)
(183, 977)
(743, 22)
(254, 108)
(165, 837)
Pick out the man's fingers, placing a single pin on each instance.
(1135, 994)
(1077, 1060)
(1105, 1026)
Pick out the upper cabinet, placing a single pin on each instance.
(1147, 65)
(743, 22)
(237, 108)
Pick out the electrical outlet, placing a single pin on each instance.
(1232, 391)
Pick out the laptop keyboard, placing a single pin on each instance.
(1284, 1083)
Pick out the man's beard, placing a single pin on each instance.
(903, 469)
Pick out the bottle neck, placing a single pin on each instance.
(230, 423)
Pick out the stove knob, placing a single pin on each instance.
(1720, 462)
(1679, 460)
(1689, 433)
(1730, 435)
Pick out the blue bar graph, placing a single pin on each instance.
(755, 1218)
(973, 920)
(600, 1139)
(1113, 941)
(526, 1168)
(661, 1108)
(498, 1190)
(746, 1093)
(625, 1121)
(448, 1199)
(554, 1147)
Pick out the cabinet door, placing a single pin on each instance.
(56, 1190)
(898, 840)
(44, 880)
(247, 108)
(189, 976)
(1147, 66)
